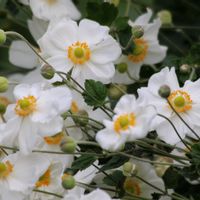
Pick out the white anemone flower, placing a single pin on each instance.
(95, 195)
(36, 113)
(18, 174)
(131, 122)
(51, 9)
(138, 187)
(87, 49)
(147, 50)
(185, 100)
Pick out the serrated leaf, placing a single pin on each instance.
(95, 93)
(114, 162)
(83, 162)
(114, 179)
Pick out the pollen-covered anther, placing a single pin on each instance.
(5, 169)
(45, 179)
(55, 139)
(25, 106)
(79, 52)
(139, 51)
(123, 122)
(180, 101)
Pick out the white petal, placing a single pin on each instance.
(21, 55)
(97, 195)
(91, 32)
(106, 51)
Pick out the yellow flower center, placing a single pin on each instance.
(123, 122)
(180, 101)
(54, 140)
(74, 107)
(5, 169)
(132, 186)
(25, 106)
(139, 51)
(45, 179)
(51, 2)
(79, 52)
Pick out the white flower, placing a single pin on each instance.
(50, 9)
(139, 188)
(147, 49)
(131, 122)
(87, 49)
(35, 114)
(19, 173)
(185, 100)
(95, 195)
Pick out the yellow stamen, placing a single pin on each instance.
(123, 122)
(5, 169)
(25, 106)
(139, 51)
(180, 101)
(54, 140)
(44, 180)
(132, 186)
(79, 52)
(74, 107)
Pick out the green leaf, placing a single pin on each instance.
(83, 162)
(121, 23)
(115, 179)
(114, 162)
(95, 93)
(104, 13)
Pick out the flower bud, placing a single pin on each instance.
(137, 31)
(68, 145)
(3, 84)
(122, 67)
(165, 17)
(164, 91)
(2, 36)
(68, 181)
(115, 92)
(185, 69)
(3, 105)
(47, 71)
(81, 118)
(129, 168)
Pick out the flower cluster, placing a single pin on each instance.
(82, 122)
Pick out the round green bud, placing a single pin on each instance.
(2, 36)
(68, 145)
(47, 71)
(3, 84)
(68, 182)
(116, 91)
(81, 118)
(164, 91)
(122, 67)
(165, 17)
(185, 69)
(137, 31)
(128, 167)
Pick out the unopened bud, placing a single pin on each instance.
(3, 105)
(165, 17)
(185, 69)
(164, 91)
(116, 91)
(2, 36)
(81, 118)
(137, 31)
(47, 71)
(68, 181)
(122, 67)
(68, 145)
(3, 84)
